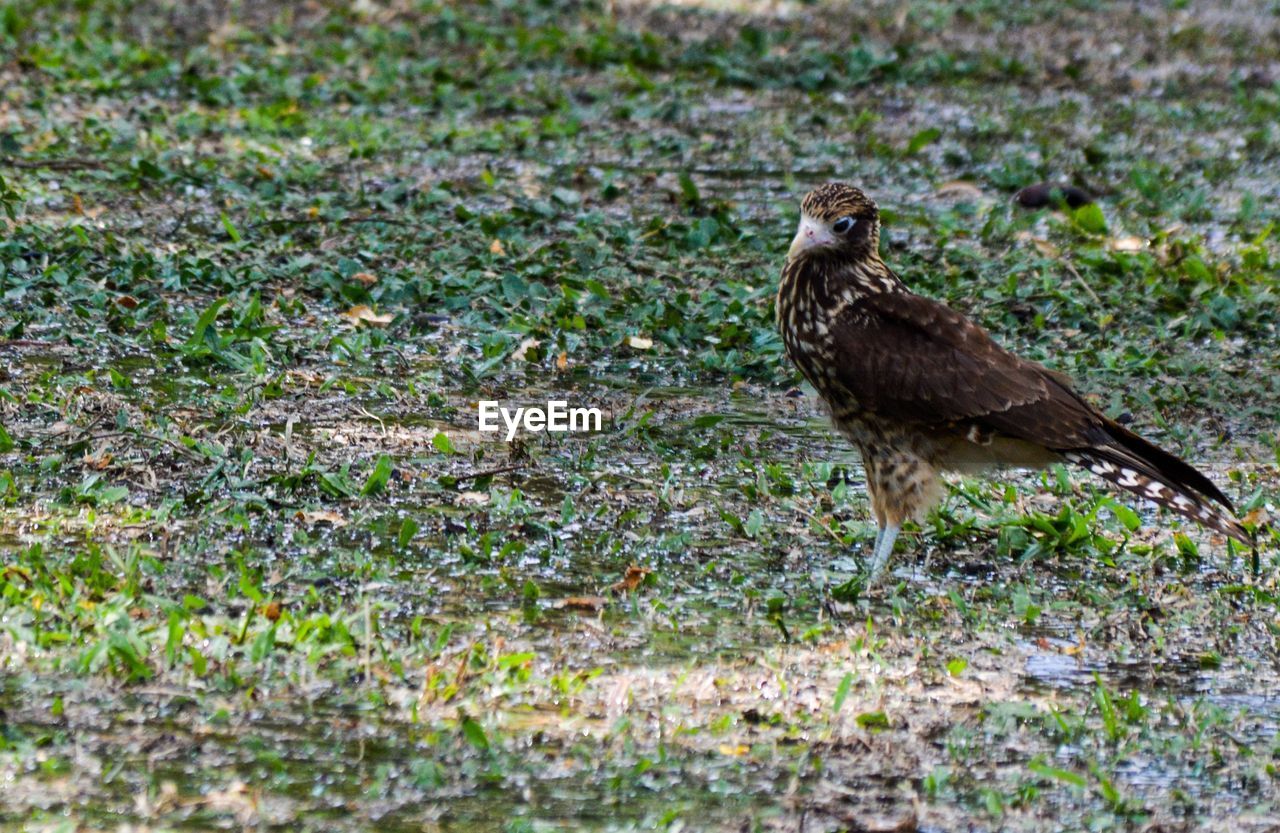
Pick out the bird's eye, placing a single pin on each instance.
(842, 225)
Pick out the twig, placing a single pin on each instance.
(814, 518)
(304, 221)
(26, 342)
(639, 481)
(403, 361)
(176, 446)
(70, 164)
(1087, 289)
(374, 417)
(479, 474)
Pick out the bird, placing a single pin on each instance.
(920, 390)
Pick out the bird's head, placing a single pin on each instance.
(837, 219)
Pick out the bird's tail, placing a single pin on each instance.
(1150, 472)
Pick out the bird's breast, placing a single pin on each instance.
(807, 319)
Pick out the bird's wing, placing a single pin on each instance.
(907, 357)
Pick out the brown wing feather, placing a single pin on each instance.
(907, 357)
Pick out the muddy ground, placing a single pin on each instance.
(260, 570)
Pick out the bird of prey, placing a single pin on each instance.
(920, 389)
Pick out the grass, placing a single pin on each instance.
(259, 568)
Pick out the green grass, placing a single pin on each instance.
(257, 566)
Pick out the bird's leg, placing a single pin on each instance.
(879, 537)
(884, 546)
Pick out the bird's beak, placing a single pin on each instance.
(810, 234)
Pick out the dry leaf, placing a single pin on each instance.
(98, 461)
(362, 313)
(524, 348)
(1041, 245)
(959, 189)
(11, 571)
(631, 580)
(127, 301)
(562, 361)
(236, 799)
(857, 819)
(530, 185)
(1257, 517)
(473, 498)
(639, 342)
(1044, 247)
(593, 604)
(736, 751)
(1128, 244)
(271, 610)
(76, 204)
(495, 247)
(323, 516)
(366, 278)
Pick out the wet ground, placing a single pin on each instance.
(260, 570)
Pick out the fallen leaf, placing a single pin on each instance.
(562, 361)
(959, 189)
(593, 604)
(858, 819)
(127, 301)
(166, 801)
(631, 580)
(361, 313)
(495, 247)
(1041, 245)
(98, 461)
(1044, 247)
(271, 610)
(524, 348)
(366, 278)
(473, 498)
(236, 799)
(527, 177)
(1128, 244)
(1257, 517)
(1075, 650)
(734, 751)
(320, 516)
(639, 342)
(10, 571)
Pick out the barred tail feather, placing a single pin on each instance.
(1164, 466)
(1131, 473)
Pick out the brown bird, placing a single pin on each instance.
(920, 389)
